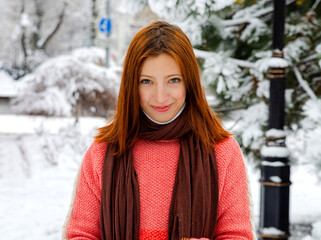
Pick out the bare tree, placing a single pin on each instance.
(33, 42)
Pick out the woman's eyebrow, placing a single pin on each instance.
(176, 74)
(143, 75)
(171, 75)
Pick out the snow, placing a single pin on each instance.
(275, 179)
(276, 62)
(312, 109)
(25, 20)
(273, 164)
(272, 231)
(272, 151)
(39, 159)
(8, 86)
(265, 63)
(31, 125)
(275, 133)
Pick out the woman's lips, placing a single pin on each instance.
(162, 108)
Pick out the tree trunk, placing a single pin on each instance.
(93, 24)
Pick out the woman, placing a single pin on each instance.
(164, 167)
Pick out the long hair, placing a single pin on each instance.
(153, 40)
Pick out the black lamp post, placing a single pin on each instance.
(275, 169)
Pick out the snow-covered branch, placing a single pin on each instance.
(23, 30)
(241, 63)
(246, 20)
(304, 83)
(316, 3)
(44, 41)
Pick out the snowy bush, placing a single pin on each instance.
(91, 55)
(70, 86)
(68, 144)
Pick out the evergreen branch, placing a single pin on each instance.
(242, 63)
(241, 21)
(304, 83)
(42, 43)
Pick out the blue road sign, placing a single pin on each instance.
(105, 25)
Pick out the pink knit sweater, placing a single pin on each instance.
(155, 163)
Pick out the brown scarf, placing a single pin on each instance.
(193, 209)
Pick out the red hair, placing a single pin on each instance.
(153, 40)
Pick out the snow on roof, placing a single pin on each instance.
(8, 86)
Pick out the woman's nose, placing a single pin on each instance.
(161, 94)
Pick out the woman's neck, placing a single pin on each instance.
(163, 123)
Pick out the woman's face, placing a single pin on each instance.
(162, 89)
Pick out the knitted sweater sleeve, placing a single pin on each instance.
(235, 219)
(83, 219)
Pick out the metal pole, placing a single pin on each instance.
(107, 36)
(275, 169)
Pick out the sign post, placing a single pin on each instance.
(105, 27)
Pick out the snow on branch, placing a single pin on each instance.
(304, 83)
(309, 58)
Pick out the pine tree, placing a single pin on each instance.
(232, 40)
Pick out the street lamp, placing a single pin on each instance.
(275, 168)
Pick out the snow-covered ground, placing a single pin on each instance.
(39, 158)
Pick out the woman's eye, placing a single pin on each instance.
(145, 81)
(174, 80)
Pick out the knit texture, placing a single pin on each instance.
(155, 163)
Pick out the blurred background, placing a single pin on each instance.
(60, 70)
